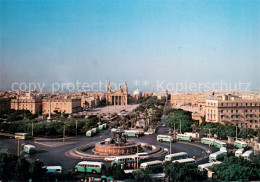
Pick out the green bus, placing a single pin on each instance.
(29, 149)
(95, 130)
(164, 138)
(100, 127)
(184, 137)
(153, 166)
(219, 144)
(207, 141)
(89, 133)
(176, 156)
(217, 156)
(125, 159)
(240, 144)
(53, 169)
(131, 133)
(90, 167)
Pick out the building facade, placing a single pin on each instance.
(31, 103)
(234, 110)
(117, 97)
(62, 105)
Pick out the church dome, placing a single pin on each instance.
(136, 92)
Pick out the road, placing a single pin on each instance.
(53, 152)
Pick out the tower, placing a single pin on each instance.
(108, 86)
(125, 88)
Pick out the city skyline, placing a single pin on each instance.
(88, 41)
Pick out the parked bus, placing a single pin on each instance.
(29, 149)
(100, 127)
(219, 144)
(125, 160)
(89, 133)
(22, 136)
(183, 137)
(207, 141)
(239, 152)
(104, 126)
(94, 130)
(153, 166)
(248, 154)
(89, 167)
(131, 133)
(142, 155)
(217, 156)
(240, 144)
(176, 156)
(164, 138)
(185, 161)
(208, 165)
(53, 169)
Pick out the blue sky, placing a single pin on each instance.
(87, 41)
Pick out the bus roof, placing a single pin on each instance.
(183, 135)
(247, 153)
(220, 142)
(210, 139)
(21, 133)
(152, 162)
(184, 160)
(206, 165)
(126, 156)
(53, 167)
(29, 146)
(240, 142)
(176, 154)
(166, 136)
(90, 162)
(217, 153)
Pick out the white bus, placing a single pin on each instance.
(239, 152)
(217, 156)
(154, 166)
(164, 138)
(208, 165)
(185, 161)
(22, 136)
(240, 144)
(142, 155)
(219, 144)
(248, 154)
(176, 156)
(124, 159)
(53, 169)
(132, 133)
(184, 137)
(208, 141)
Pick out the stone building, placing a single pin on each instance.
(62, 105)
(233, 109)
(5, 104)
(117, 97)
(27, 102)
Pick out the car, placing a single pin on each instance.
(111, 158)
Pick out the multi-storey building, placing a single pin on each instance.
(5, 104)
(232, 109)
(27, 102)
(62, 105)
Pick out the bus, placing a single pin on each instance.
(207, 141)
(185, 161)
(184, 137)
(248, 154)
(100, 127)
(104, 126)
(53, 169)
(125, 160)
(240, 144)
(89, 133)
(217, 156)
(131, 133)
(219, 144)
(142, 155)
(239, 152)
(22, 136)
(90, 167)
(153, 166)
(176, 156)
(94, 130)
(208, 165)
(29, 149)
(164, 138)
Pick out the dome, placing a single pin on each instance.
(136, 92)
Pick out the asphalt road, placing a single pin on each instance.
(52, 152)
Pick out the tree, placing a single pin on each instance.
(237, 169)
(142, 175)
(37, 172)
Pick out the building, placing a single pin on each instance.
(89, 102)
(62, 105)
(5, 104)
(234, 110)
(117, 97)
(27, 102)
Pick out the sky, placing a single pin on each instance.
(142, 42)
